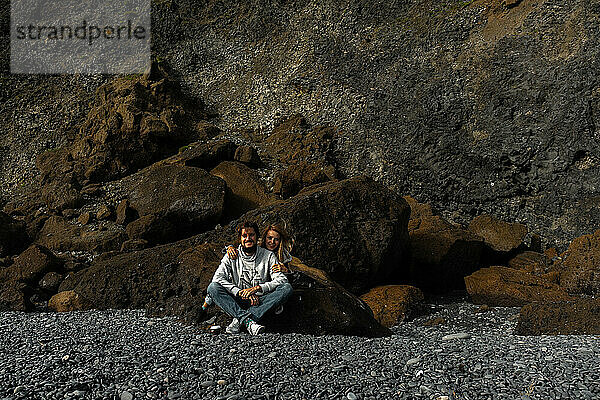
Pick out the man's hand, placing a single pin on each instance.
(254, 301)
(280, 268)
(246, 293)
(232, 252)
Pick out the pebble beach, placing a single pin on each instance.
(122, 354)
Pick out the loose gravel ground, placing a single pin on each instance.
(125, 355)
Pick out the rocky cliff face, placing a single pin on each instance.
(474, 106)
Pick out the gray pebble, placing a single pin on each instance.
(462, 335)
(126, 396)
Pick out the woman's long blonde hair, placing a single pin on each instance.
(285, 244)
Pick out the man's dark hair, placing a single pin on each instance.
(246, 225)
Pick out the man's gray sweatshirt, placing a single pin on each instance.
(248, 271)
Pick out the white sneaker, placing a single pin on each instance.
(233, 327)
(254, 328)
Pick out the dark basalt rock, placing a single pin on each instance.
(19, 282)
(353, 229)
(293, 141)
(577, 317)
(245, 190)
(580, 266)
(203, 155)
(324, 307)
(247, 155)
(34, 263)
(151, 229)
(133, 123)
(508, 287)
(392, 304)
(58, 234)
(181, 200)
(293, 179)
(501, 237)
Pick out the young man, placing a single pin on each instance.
(246, 287)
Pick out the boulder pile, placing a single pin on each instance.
(136, 211)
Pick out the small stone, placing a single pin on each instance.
(351, 396)
(208, 383)
(125, 213)
(462, 335)
(103, 213)
(434, 321)
(92, 189)
(247, 155)
(126, 396)
(483, 308)
(272, 354)
(84, 218)
(413, 361)
(134, 244)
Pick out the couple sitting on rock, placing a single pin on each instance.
(250, 280)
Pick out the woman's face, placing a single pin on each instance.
(272, 240)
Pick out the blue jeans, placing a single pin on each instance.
(241, 309)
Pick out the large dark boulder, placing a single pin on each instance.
(144, 278)
(354, 229)
(245, 190)
(203, 155)
(508, 287)
(59, 234)
(576, 317)
(294, 141)
(503, 240)
(187, 199)
(20, 281)
(325, 307)
(290, 181)
(13, 295)
(499, 235)
(133, 123)
(392, 304)
(580, 266)
(35, 262)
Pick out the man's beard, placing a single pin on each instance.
(249, 250)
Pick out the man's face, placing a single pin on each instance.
(248, 238)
